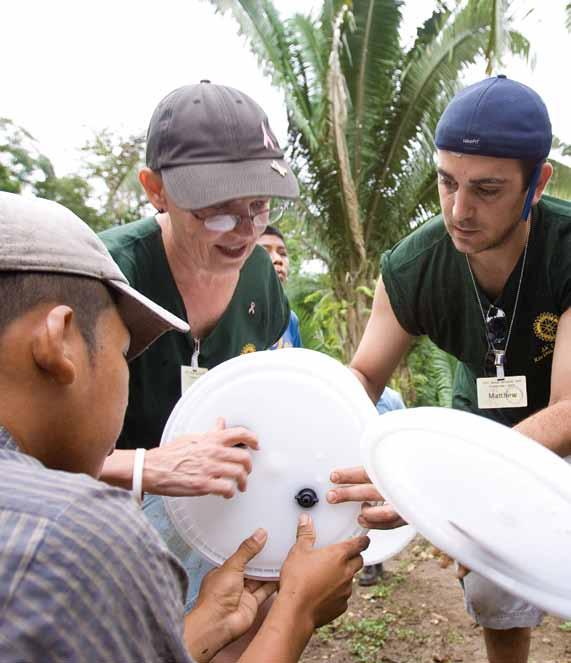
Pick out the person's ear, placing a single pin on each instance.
(152, 182)
(51, 345)
(544, 177)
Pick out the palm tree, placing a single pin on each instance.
(362, 110)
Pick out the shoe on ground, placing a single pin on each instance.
(370, 575)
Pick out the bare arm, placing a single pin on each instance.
(382, 346)
(194, 464)
(552, 425)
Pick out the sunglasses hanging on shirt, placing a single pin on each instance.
(496, 331)
(499, 391)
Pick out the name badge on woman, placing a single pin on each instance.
(189, 375)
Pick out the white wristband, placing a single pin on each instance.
(138, 465)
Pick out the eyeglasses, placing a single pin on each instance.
(260, 214)
(496, 326)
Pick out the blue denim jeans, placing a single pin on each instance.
(196, 566)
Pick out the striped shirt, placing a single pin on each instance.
(83, 575)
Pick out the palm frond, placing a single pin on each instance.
(496, 38)
(429, 80)
(274, 46)
(339, 100)
(373, 50)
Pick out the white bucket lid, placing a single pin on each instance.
(489, 497)
(309, 412)
(386, 543)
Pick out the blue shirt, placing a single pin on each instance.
(389, 400)
(291, 337)
(83, 575)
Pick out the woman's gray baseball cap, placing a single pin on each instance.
(213, 144)
(43, 236)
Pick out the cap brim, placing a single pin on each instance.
(202, 185)
(145, 320)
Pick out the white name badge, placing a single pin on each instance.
(502, 392)
(189, 375)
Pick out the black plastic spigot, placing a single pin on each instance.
(306, 498)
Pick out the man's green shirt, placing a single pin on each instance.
(256, 317)
(431, 292)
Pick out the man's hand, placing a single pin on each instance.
(227, 603)
(201, 463)
(318, 582)
(362, 490)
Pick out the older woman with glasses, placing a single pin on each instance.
(217, 178)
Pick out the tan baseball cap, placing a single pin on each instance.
(43, 236)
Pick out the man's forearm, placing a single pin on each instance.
(550, 427)
(373, 390)
(283, 635)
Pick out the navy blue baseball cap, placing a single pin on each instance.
(498, 117)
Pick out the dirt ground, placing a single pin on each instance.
(416, 615)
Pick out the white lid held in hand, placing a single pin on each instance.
(494, 500)
(309, 412)
(386, 543)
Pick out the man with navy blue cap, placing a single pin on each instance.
(489, 281)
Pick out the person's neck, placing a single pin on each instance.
(205, 294)
(23, 429)
(492, 268)
(35, 423)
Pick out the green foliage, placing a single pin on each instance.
(21, 163)
(362, 112)
(73, 192)
(431, 372)
(560, 183)
(367, 636)
(24, 168)
(566, 626)
(110, 167)
(384, 590)
(111, 164)
(328, 322)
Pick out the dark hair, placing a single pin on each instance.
(22, 291)
(272, 230)
(527, 168)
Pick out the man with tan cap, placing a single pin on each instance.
(216, 176)
(84, 577)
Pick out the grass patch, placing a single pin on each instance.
(325, 633)
(404, 633)
(385, 588)
(566, 626)
(367, 636)
(454, 638)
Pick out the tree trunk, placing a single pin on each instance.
(354, 290)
